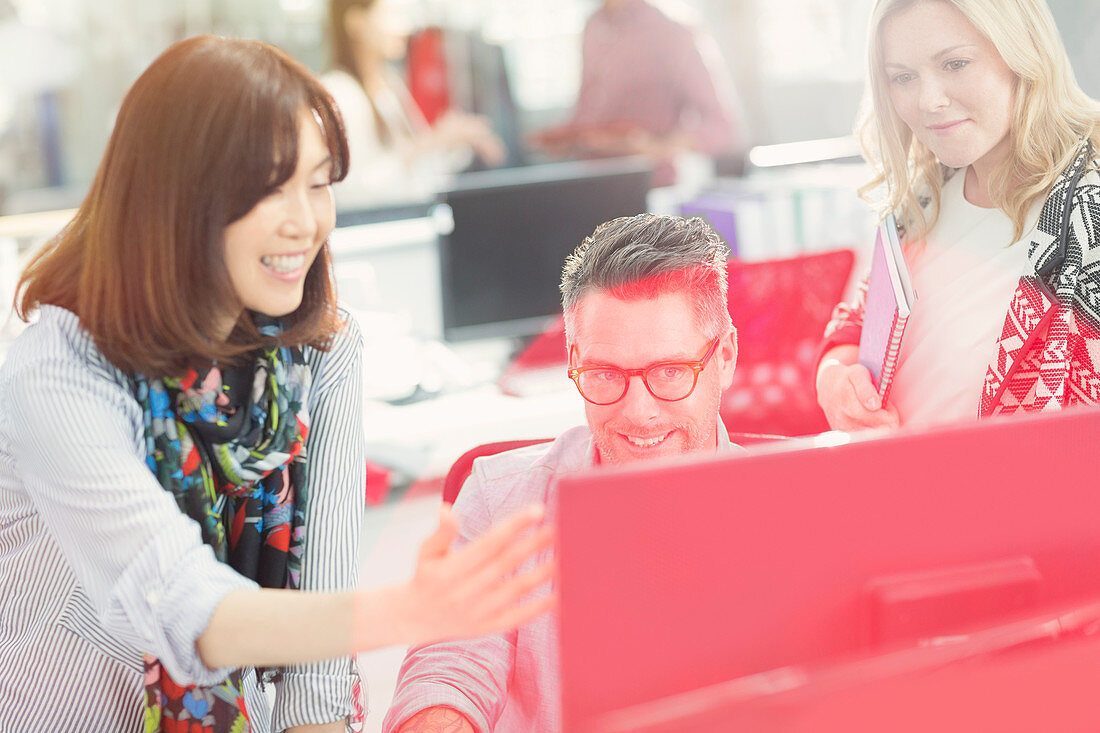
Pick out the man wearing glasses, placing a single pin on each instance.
(651, 348)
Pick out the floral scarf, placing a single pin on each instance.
(229, 445)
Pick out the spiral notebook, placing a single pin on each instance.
(890, 298)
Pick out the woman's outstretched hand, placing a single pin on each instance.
(473, 590)
(455, 593)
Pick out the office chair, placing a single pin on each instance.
(461, 468)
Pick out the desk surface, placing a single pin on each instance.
(423, 439)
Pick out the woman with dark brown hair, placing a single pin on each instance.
(397, 153)
(180, 441)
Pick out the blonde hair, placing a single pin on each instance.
(1052, 114)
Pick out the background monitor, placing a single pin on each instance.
(686, 575)
(513, 228)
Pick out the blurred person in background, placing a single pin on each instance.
(395, 154)
(181, 447)
(987, 151)
(651, 84)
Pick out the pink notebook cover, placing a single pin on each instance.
(886, 310)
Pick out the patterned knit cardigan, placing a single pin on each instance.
(1050, 344)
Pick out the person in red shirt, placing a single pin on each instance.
(651, 85)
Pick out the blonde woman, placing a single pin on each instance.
(985, 148)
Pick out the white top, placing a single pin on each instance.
(98, 565)
(964, 276)
(386, 168)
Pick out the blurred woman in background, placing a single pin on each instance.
(986, 150)
(180, 433)
(396, 155)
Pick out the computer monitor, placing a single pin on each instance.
(360, 215)
(1033, 674)
(480, 83)
(513, 228)
(684, 575)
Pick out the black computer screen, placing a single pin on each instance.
(501, 265)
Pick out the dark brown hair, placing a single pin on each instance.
(343, 57)
(203, 134)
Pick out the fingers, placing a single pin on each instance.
(510, 559)
(509, 592)
(857, 403)
(497, 155)
(860, 380)
(490, 149)
(521, 614)
(890, 414)
(440, 540)
(484, 123)
(845, 393)
(450, 604)
(864, 405)
(502, 609)
(490, 545)
(858, 418)
(849, 412)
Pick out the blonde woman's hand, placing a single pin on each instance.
(849, 398)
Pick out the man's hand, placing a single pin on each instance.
(439, 719)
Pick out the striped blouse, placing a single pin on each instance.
(97, 564)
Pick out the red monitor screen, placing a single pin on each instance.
(680, 576)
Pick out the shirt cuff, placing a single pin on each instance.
(310, 698)
(412, 699)
(167, 617)
(847, 335)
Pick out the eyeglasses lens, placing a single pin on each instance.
(665, 381)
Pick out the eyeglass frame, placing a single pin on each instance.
(696, 367)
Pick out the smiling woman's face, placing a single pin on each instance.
(269, 250)
(949, 84)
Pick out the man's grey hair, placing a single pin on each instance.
(648, 255)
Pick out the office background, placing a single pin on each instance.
(65, 65)
(797, 70)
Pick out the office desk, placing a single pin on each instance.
(422, 440)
